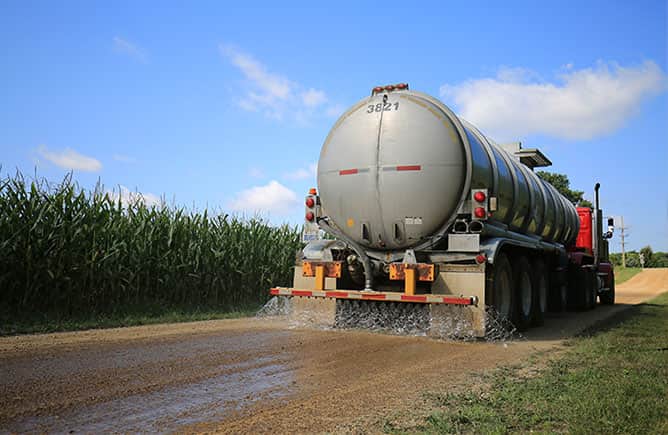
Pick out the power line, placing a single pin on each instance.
(623, 236)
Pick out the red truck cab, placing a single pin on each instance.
(584, 241)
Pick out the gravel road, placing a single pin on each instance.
(252, 375)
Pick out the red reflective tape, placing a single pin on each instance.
(301, 293)
(336, 294)
(409, 168)
(273, 291)
(348, 172)
(458, 301)
(413, 298)
(373, 296)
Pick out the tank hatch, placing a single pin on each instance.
(530, 157)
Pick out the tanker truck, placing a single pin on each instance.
(416, 210)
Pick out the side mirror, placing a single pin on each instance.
(611, 228)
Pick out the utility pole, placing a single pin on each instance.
(622, 229)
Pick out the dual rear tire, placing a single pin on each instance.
(519, 292)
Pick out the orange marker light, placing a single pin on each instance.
(312, 191)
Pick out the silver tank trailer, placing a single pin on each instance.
(397, 170)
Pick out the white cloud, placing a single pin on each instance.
(583, 104)
(130, 49)
(70, 159)
(313, 97)
(335, 111)
(270, 93)
(303, 173)
(272, 198)
(128, 196)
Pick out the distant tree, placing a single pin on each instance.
(563, 185)
(647, 253)
(652, 259)
(660, 259)
(632, 259)
(616, 259)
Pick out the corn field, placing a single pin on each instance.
(67, 251)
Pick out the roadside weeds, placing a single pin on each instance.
(613, 378)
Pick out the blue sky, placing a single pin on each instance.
(226, 107)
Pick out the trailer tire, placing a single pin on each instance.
(524, 289)
(541, 292)
(608, 298)
(501, 289)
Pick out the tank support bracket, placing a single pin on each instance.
(423, 271)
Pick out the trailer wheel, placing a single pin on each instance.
(500, 285)
(540, 293)
(608, 298)
(524, 293)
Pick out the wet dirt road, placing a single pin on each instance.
(251, 375)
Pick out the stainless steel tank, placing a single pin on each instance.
(398, 167)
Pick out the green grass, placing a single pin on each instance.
(625, 273)
(38, 324)
(615, 381)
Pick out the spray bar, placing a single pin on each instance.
(375, 296)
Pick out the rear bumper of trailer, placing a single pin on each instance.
(376, 296)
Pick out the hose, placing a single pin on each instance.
(323, 222)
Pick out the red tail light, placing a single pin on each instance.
(310, 202)
(479, 196)
(480, 258)
(310, 216)
(479, 212)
